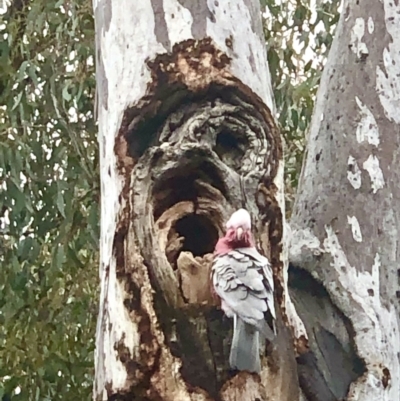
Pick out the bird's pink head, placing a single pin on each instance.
(238, 234)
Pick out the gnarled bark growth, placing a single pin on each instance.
(187, 136)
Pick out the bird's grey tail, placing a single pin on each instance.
(245, 352)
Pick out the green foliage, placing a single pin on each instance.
(49, 192)
(48, 201)
(298, 35)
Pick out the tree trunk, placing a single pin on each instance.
(344, 252)
(187, 136)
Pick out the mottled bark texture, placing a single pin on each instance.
(344, 254)
(187, 136)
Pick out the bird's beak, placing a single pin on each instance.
(239, 233)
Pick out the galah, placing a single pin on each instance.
(242, 279)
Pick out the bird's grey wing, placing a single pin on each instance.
(239, 280)
(263, 263)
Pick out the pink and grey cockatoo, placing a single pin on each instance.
(242, 279)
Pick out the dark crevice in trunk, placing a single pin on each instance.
(200, 337)
(331, 363)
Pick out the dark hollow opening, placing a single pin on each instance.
(180, 185)
(231, 148)
(200, 235)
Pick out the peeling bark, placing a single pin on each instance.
(344, 246)
(187, 135)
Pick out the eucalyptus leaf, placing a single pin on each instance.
(17, 100)
(60, 202)
(65, 93)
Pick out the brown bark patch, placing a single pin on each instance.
(244, 386)
(385, 377)
(194, 276)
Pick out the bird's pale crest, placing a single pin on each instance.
(240, 218)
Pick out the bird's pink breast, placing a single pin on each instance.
(222, 246)
(229, 242)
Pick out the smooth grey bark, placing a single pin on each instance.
(344, 250)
